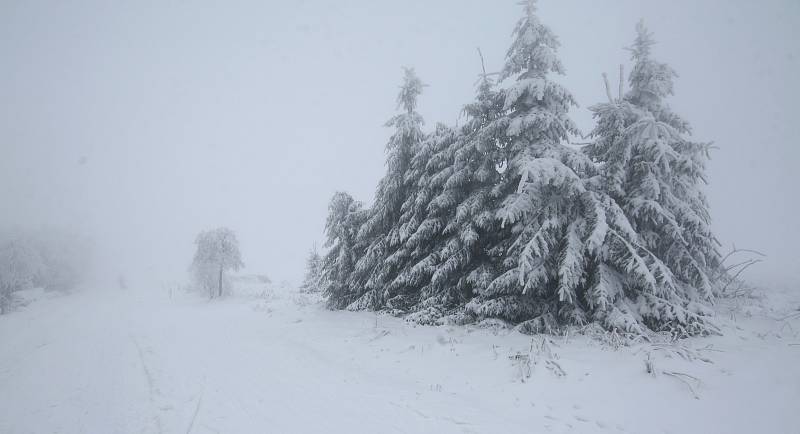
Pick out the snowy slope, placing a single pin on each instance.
(275, 361)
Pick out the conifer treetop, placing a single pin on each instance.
(643, 43)
(410, 90)
(533, 52)
(650, 80)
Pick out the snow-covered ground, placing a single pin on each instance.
(137, 361)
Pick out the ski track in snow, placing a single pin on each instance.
(152, 391)
(141, 362)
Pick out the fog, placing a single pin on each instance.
(143, 123)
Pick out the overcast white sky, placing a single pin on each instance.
(142, 122)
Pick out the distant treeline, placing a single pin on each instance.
(46, 258)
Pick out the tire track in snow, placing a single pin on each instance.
(194, 416)
(151, 389)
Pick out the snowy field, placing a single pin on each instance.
(137, 361)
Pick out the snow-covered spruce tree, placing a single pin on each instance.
(345, 217)
(462, 175)
(217, 253)
(312, 281)
(423, 220)
(437, 234)
(531, 126)
(378, 235)
(569, 254)
(655, 174)
(468, 262)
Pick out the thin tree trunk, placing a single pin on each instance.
(220, 280)
(608, 89)
(4, 291)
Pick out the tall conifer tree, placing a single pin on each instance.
(345, 216)
(655, 172)
(379, 234)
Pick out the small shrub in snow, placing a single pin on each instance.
(312, 282)
(522, 363)
(425, 316)
(670, 348)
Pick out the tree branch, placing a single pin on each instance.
(608, 88)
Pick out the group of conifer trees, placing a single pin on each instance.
(502, 219)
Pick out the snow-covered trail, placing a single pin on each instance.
(122, 362)
(67, 366)
(139, 362)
